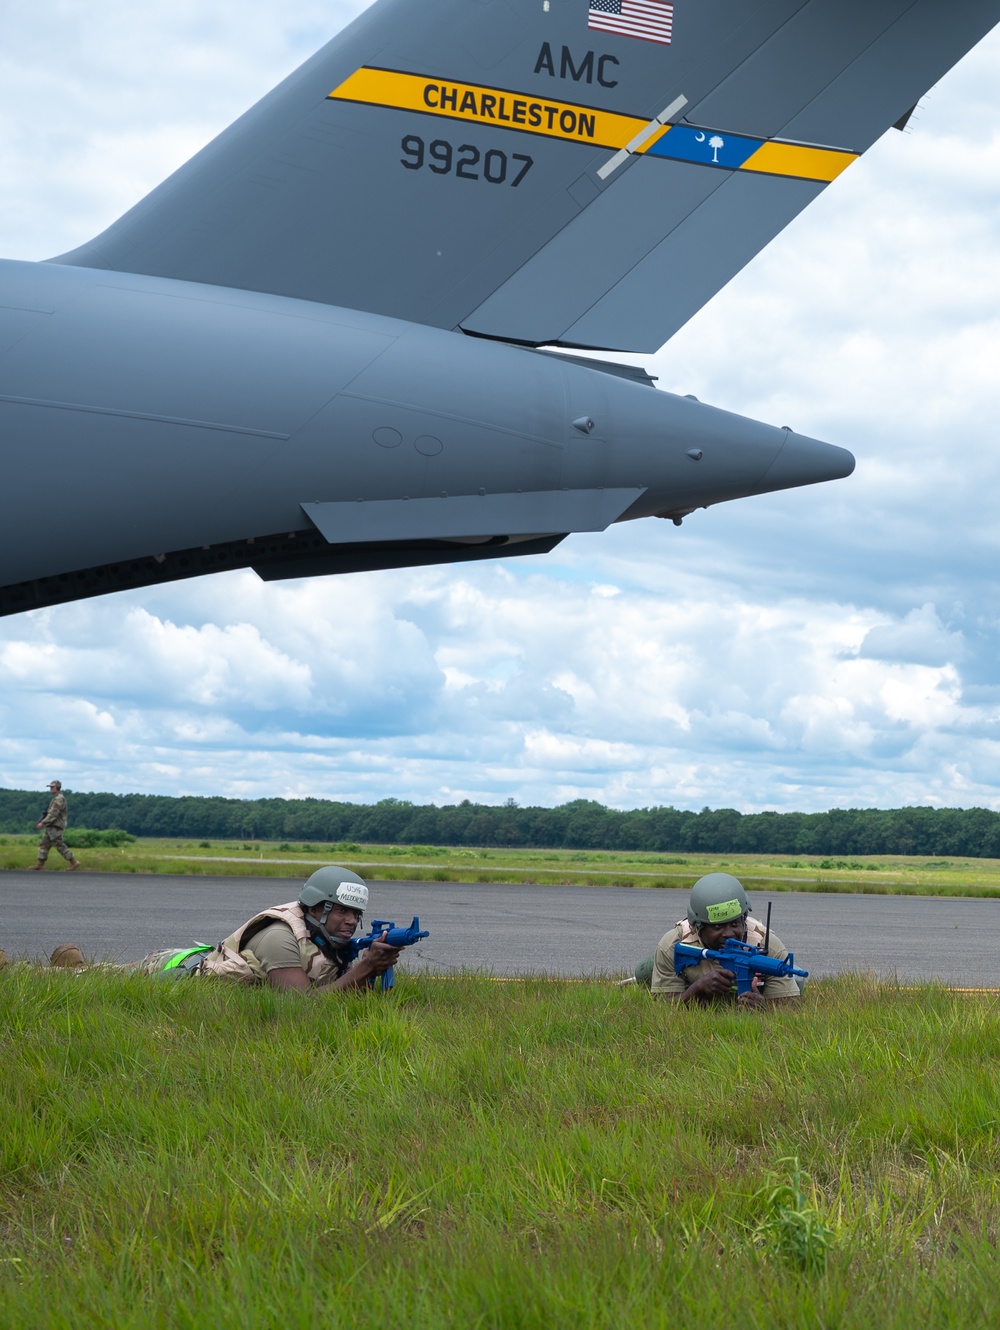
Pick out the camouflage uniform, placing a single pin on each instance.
(53, 825)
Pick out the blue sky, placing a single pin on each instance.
(819, 648)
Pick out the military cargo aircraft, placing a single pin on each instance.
(341, 337)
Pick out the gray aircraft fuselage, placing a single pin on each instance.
(180, 419)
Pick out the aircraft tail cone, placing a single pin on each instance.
(805, 461)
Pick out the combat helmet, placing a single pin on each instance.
(67, 955)
(715, 899)
(329, 886)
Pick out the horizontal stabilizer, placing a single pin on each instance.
(471, 516)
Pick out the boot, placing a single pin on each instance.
(75, 865)
(37, 868)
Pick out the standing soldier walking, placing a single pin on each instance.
(52, 826)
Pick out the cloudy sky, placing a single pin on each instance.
(818, 648)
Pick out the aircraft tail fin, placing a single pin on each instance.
(575, 172)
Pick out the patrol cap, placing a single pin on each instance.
(56, 783)
(335, 884)
(717, 898)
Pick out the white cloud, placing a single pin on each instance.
(99, 101)
(920, 639)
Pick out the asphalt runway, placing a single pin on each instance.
(507, 930)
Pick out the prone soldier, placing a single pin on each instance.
(306, 944)
(718, 910)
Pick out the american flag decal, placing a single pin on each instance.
(650, 20)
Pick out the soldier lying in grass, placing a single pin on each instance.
(718, 910)
(305, 944)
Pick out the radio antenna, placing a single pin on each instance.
(767, 929)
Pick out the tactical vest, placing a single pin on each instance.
(226, 962)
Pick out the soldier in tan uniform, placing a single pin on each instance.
(303, 944)
(52, 825)
(718, 909)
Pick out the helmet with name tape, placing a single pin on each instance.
(335, 886)
(717, 898)
(326, 888)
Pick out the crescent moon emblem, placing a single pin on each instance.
(699, 138)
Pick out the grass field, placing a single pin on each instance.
(893, 875)
(461, 1153)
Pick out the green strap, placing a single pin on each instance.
(181, 956)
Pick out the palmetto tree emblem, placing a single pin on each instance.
(715, 143)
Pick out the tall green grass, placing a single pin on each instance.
(463, 1152)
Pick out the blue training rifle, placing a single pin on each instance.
(395, 937)
(744, 961)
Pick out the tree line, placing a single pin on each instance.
(580, 825)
